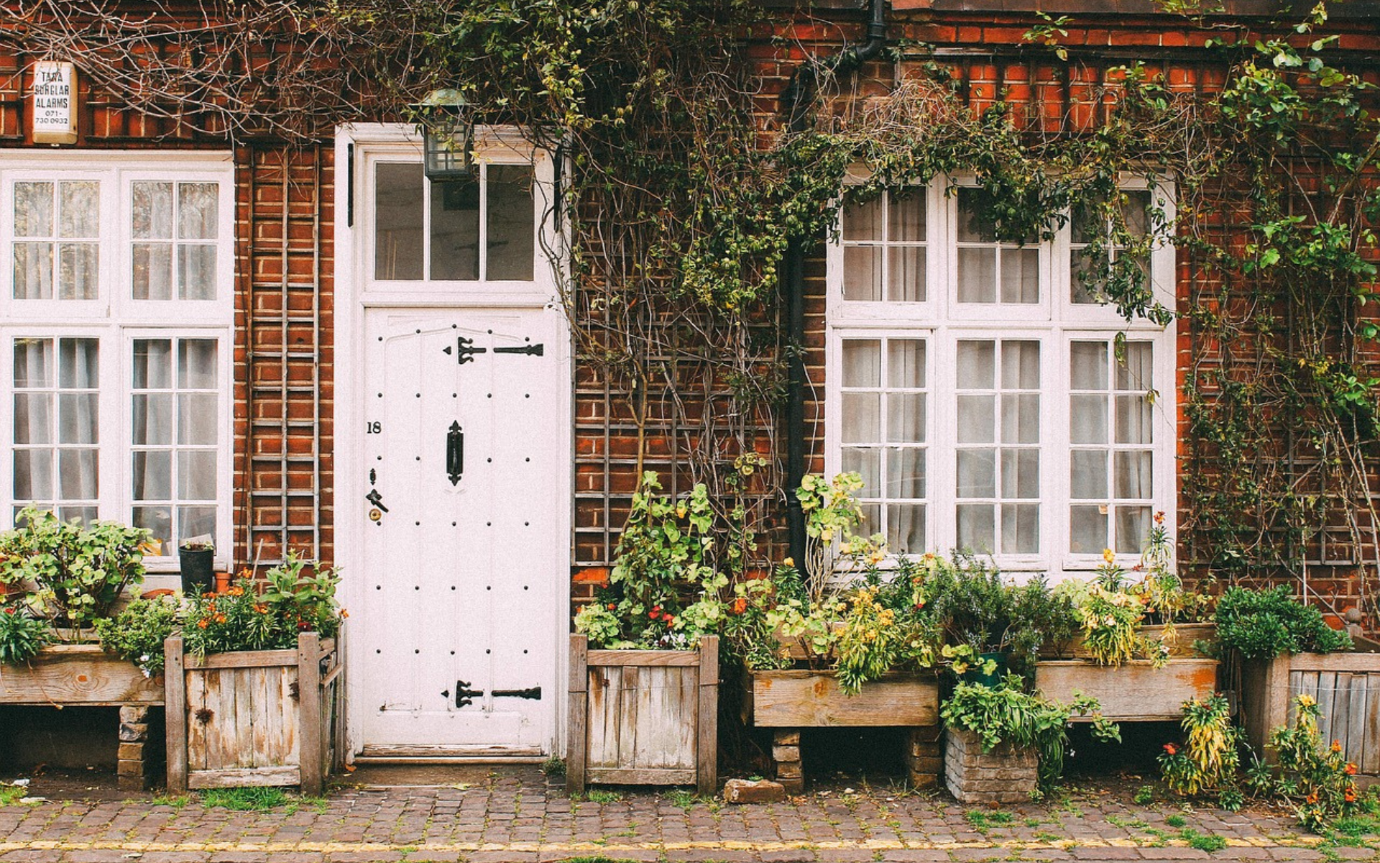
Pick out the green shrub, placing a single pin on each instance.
(137, 633)
(1263, 624)
(21, 635)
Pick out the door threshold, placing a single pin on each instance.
(450, 755)
(458, 760)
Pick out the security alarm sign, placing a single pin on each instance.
(54, 103)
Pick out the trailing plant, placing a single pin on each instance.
(1263, 624)
(1008, 714)
(1316, 778)
(72, 574)
(22, 635)
(137, 633)
(1209, 760)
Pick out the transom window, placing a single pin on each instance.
(985, 408)
(120, 404)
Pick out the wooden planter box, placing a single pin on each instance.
(643, 717)
(1185, 634)
(84, 675)
(254, 717)
(1346, 686)
(787, 701)
(1134, 691)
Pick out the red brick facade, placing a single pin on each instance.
(284, 383)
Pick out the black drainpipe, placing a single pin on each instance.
(796, 100)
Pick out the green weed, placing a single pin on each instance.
(244, 799)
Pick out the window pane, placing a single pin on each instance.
(1087, 529)
(1020, 276)
(1020, 365)
(77, 271)
(152, 364)
(196, 418)
(398, 221)
(1020, 473)
(33, 209)
(1132, 527)
(455, 231)
(80, 210)
(976, 523)
(195, 521)
(863, 221)
(33, 363)
(33, 414)
(152, 276)
(905, 363)
(1133, 475)
(973, 226)
(33, 474)
(152, 475)
(862, 273)
(79, 365)
(152, 419)
(977, 473)
(1136, 370)
(906, 216)
(868, 464)
(977, 365)
(977, 275)
(84, 514)
(77, 474)
(1087, 419)
(905, 472)
(158, 520)
(905, 417)
(198, 212)
(33, 271)
(862, 417)
(977, 419)
(1088, 365)
(871, 520)
(906, 276)
(1088, 474)
(1134, 419)
(905, 528)
(862, 363)
(1135, 209)
(1020, 418)
(196, 475)
(77, 418)
(510, 223)
(151, 211)
(196, 364)
(196, 272)
(1020, 528)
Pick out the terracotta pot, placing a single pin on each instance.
(222, 582)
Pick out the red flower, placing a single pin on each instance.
(9, 611)
(740, 605)
(612, 606)
(1170, 749)
(1351, 770)
(652, 615)
(670, 621)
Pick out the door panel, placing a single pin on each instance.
(463, 437)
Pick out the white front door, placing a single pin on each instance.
(463, 543)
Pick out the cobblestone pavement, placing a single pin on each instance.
(513, 816)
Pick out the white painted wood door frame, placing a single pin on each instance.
(352, 143)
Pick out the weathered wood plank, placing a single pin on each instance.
(1180, 643)
(641, 776)
(245, 777)
(809, 699)
(1133, 691)
(609, 658)
(175, 707)
(707, 722)
(626, 719)
(1356, 721)
(576, 745)
(78, 674)
(245, 659)
(309, 708)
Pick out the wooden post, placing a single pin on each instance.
(175, 708)
(707, 731)
(575, 742)
(309, 712)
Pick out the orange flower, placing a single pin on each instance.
(1351, 770)
(202, 623)
(261, 608)
(740, 605)
(1336, 746)
(237, 591)
(1170, 749)
(1350, 794)
(344, 615)
(220, 618)
(1311, 798)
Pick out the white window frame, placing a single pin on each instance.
(1055, 322)
(115, 319)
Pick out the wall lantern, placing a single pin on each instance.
(447, 135)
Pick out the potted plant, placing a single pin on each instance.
(651, 631)
(1285, 648)
(263, 648)
(1139, 648)
(1006, 745)
(60, 580)
(196, 561)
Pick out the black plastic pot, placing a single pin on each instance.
(198, 575)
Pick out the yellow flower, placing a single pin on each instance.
(1108, 556)
(790, 561)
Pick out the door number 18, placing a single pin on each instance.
(373, 427)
